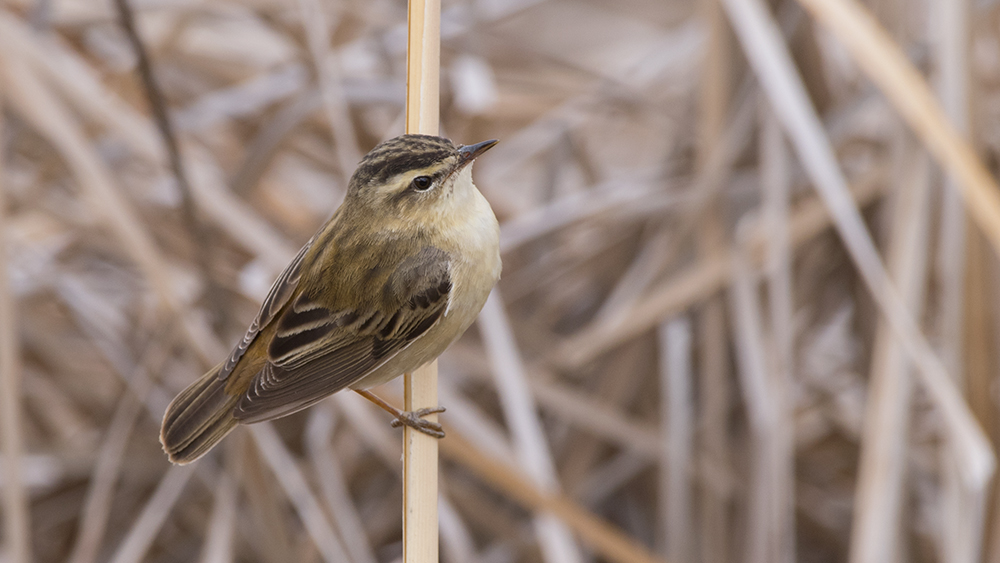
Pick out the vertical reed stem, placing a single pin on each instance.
(420, 452)
(16, 529)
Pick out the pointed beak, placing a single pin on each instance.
(468, 153)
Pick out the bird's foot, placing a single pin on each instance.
(415, 420)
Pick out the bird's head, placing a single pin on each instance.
(411, 174)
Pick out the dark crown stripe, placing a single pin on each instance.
(401, 154)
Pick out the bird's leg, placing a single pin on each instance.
(413, 419)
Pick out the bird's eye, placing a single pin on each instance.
(422, 183)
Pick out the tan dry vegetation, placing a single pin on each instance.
(693, 356)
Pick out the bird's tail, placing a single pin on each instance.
(198, 418)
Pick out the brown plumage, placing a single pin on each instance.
(399, 272)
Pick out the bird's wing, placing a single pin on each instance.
(277, 297)
(316, 351)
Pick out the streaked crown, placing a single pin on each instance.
(401, 154)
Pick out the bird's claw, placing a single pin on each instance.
(415, 420)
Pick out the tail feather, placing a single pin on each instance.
(198, 418)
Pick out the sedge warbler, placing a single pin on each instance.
(398, 273)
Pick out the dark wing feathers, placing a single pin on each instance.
(280, 291)
(302, 325)
(276, 391)
(316, 351)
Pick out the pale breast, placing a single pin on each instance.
(472, 239)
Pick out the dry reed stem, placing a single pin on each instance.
(327, 64)
(776, 180)
(240, 221)
(561, 213)
(456, 540)
(16, 510)
(157, 103)
(603, 538)
(528, 438)
(267, 142)
(703, 279)
(878, 499)
(70, 74)
(963, 514)
(80, 85)
(141, 535)
(886, 65)
(711, 341)
(370, 425)
(616, 393)
(600, 536)
(420, 451)
(335, 489)
(608, 478)
(478, 426)
(767, 521)
(677, 429)
(295, 486)
(596, 417)
(52, 119)
(700, 216)
(218, 546)
(138, 389)
(110, 456)
(420, 471)
(982, 331)
(764, 46)
(953, 80)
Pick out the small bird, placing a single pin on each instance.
(395, 276)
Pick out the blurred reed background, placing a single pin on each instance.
(682, 363)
